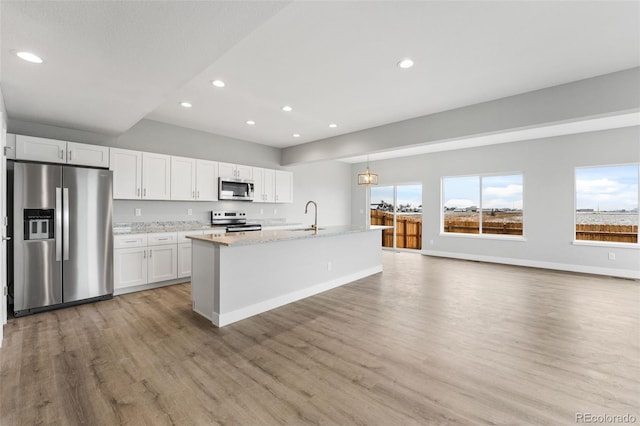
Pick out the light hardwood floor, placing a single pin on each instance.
(428, 341)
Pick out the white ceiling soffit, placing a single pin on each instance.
(335, 62)
(109, 63)
(574, 127)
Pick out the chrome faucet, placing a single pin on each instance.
(315, 219)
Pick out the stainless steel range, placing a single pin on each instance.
(234, 221)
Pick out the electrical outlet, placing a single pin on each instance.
(189, 212)
(612, 256)
(361, 211)
(138, 212)
(329, 266)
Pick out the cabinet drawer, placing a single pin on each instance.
(130, 240)
(160, 238)
(182, 236)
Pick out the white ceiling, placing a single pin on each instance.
(110, 64)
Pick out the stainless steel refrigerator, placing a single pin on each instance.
(62, 245)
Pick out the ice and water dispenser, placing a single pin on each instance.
(38, 224)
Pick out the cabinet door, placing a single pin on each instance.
(206, 180)
(87, 155)
(244, 172)
(127, 173)
(269, 185)
(183, 178)
(130, 267)
(284, 187)
(184, 260)
(227, 170)
(162, 263)
(41, 149)
(258, 192)
(156, 176)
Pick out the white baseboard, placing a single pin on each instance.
(142, 287)
(622, 273)
(221, 320)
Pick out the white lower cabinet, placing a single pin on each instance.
(162, 263)
(184, 260)
(130, 267)
(141, 259)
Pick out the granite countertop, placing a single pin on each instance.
(151, 227)
(258, 237)
(125, 228)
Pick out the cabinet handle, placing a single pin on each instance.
(144, 255)
(150, 253)
(144, 193)
(162, 239)
(131, 241)
(198, 195)
(61, 154)
(138, 192)
(70, 155)
(193, 194)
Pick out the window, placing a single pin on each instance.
(607, 203)
(399, 206)
(483, 204)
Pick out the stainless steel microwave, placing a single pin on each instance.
(235, 189)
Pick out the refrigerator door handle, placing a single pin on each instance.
(65, 224)
(58, 224)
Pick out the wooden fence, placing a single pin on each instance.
(610, 233)
(409, 229)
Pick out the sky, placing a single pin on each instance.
(497, 191)
(407, 194)
(607, 188)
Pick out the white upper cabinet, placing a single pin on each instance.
(183, 178)
(55, 151)
(264, 189)
(127, 173)
(156, 176)
(87, 155)
(206, 180)
(237, 171)
(284, 187)
(41, 149)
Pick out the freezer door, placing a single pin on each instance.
(88, 235)
(37, 275)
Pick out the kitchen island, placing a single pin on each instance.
(236, 276)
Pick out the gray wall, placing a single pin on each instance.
(325, 182)
(548, 168)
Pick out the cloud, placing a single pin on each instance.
(501, 203)
(503, 191)
(606, 194)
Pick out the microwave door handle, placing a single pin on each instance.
(65, 224)
(58, 220)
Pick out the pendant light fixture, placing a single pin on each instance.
(367, 178)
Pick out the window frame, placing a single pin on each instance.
(612, 244)
(480, 234)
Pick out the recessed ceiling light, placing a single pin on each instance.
(185, 104)
(251, 122)
(218, 83)
(30, 57)
(296, 135)
(405, 63)
(333, 125)
(287, 108)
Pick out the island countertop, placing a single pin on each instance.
(258, 237)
